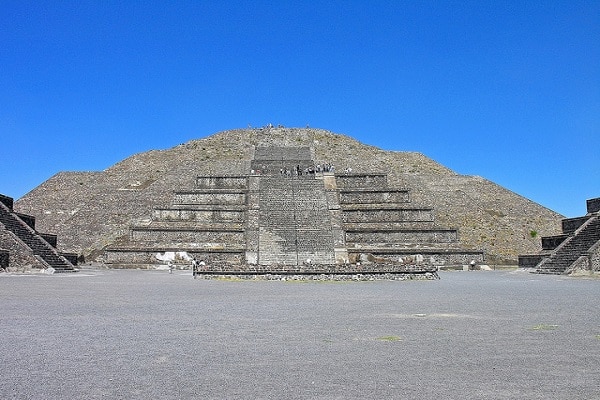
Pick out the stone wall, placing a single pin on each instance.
(221, 182)
(434, 257)
(145, 259)
(7, 201)
(387, 216)
(373, 196)
(552, 242)
(187, 236)
(570, 225)
(28, 219)
(364, 180)
(530, 260)
(188, 214)
(593, 205)
(401, 238)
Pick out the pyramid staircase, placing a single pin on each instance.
(43, 246)
(577, 247)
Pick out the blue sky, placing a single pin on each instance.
(507, 90)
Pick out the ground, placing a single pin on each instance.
(126, 334)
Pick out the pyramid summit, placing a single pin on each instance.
(277, 196)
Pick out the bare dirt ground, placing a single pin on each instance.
(114, 334)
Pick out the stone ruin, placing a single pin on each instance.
(22, 248)
(246, 200)
(576, 249)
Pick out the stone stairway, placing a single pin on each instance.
(571, 248)
(578, 245)
(294, 220)
(34, 240)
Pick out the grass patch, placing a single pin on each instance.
(389, 338)
(544, 327)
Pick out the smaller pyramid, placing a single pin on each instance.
(577, 248)
(22, 247)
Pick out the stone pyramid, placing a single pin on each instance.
(282, 197)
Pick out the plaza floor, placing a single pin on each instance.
(122, 334)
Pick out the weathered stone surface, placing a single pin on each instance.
(90, 210)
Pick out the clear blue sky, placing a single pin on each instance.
(507, 90)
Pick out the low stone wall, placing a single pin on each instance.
(552, 242)
(315, 268)
(324, 277)
(51, 239)
(73, 258)
(530, 260)
(570, 225)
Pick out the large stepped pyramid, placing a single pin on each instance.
(290, 211)
(201, 187)
(22, 245)
(577, 248)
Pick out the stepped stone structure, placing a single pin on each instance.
(22, 247)
(255, 197)
(577, 248)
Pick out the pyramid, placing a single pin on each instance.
(576, 249)
(283, 197)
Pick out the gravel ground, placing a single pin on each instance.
(121, 334)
